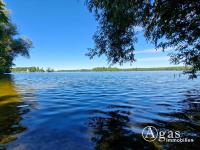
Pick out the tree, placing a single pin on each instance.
(49, 70)
(166, 23)
(3, 13)
(10, 44)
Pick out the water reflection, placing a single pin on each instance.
(10, 111)
(118, 107)
(187, 121)
(112, 130)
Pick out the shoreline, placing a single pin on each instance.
(101, 69)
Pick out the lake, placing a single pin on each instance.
(97, 110)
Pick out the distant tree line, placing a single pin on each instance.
(99, 69)
(139, 69)
(31, 69)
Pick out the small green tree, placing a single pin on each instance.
(49, 70)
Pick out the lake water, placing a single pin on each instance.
(97, 110)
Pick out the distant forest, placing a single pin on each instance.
(98, 69)
(31, 69)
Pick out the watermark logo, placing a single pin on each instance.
(150, 134)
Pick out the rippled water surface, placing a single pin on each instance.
(101, 111)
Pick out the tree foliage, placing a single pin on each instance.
(3, 13)
(28, 69)
(11, 45)
(166, 23)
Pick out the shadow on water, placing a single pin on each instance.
(112, 129)
(10, 111)
(187, 121)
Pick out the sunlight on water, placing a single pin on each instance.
(9, 113)
(8, 93)
(102, 111)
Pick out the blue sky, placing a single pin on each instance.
(62, 30)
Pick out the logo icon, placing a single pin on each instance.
(149, 133)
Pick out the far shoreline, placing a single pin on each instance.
(99, 69)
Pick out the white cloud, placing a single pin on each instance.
(152, 51)
(153, 59)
